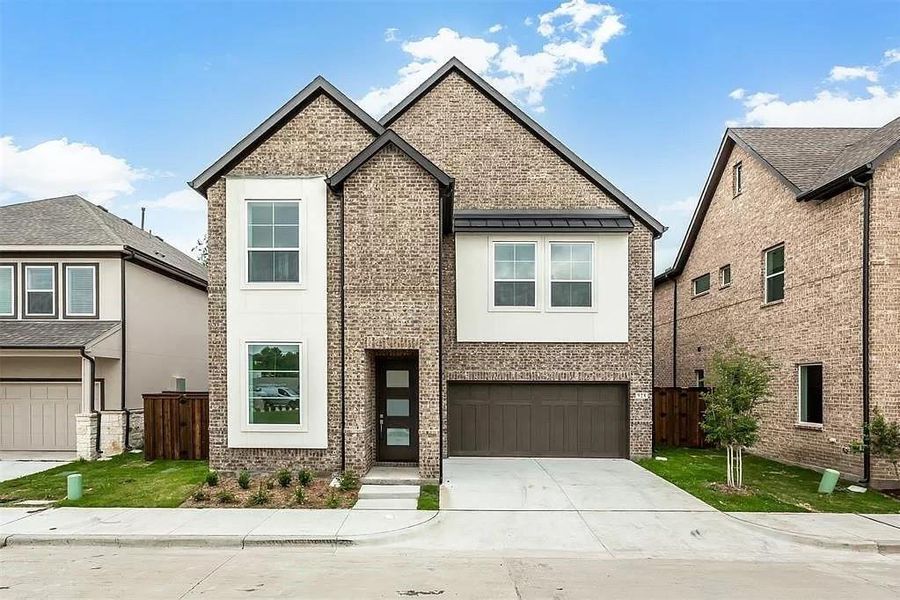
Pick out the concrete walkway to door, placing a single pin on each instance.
(565, 484)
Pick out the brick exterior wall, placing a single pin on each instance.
(498, 164)
(663, 333)
(818, 322)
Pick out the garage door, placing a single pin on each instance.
(538, 419)
(38, 416)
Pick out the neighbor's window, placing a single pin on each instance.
(700, 285)
(514, 274)
(273, 242)
(81, 290)
(737, 179)
(571, 274)
(700, 378)
(775, 274)
(725, 276)
(274, 384)
(811, 394)
(40, 290)
(7, 290)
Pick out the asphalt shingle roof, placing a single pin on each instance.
(73, 221)
(52, 334)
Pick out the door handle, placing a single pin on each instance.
(381, 426)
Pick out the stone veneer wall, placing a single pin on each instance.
(498, 164)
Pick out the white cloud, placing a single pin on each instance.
(186, 200)
(839, 73)
(390, 34)
(576, 33)
(495, 28)
(60, 167)
(737, 94)
(891, 56)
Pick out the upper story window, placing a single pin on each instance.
(725, 276)
(273, 241)
(737, 178)
(571, 274)
(80, 285)
(810, 394)
(515, 282)
(273, 384)
(40, 291)
(7, 290)
(700, 378)
(774, 274)
(700, 285)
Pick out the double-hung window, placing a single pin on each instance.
(775, 274)
(514, 274)
(273, 241)
(571, 274)
(273, 379)
(80, 283)
(7, 291)
(40, 291)
(810, 393)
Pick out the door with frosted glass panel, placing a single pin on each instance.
(397, 414)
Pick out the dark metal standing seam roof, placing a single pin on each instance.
(541, 221)
(52, 334)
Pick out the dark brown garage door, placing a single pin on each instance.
(538, 419)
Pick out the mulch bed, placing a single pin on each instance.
(228, 494)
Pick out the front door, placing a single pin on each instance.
(397, 410)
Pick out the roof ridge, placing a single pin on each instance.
(93, 209)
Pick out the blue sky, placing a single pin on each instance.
(125, 101)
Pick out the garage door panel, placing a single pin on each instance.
(535, 419)
(38, 416)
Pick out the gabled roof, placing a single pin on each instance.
(542, 221)
(73, 221)
(388, 137)
(317, 86)
(455, 65)
(53, 334)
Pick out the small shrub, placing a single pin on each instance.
(270, 484)
(225, 497)
(244, 480)
(259, 497)
(349, 480)
(284, 478)
(200, 495)
(300, 495)
(212, 478)
(333, 500)
(305, 477)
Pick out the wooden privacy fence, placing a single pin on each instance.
(176, 425)
(677, 413)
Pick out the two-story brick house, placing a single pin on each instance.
(449, 279)
(794, 252)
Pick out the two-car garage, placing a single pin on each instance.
(538, 419)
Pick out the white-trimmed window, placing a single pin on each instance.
(700, 285)
(725, 276)
(273, 384)
(80, 284)
(571, 274)
(810, 394)
(700, 378)
(8, 290)
(515, 281)
(40, 291)
(737, 178)
(273, 241)
(774, 258)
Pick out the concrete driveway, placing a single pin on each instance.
(563, 484)
(18, 464)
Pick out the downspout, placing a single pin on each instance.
(441, 337)
(675, 333)
(343, 343)
(867, 456)
(91, 360)
(129, 254)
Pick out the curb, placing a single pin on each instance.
(874, 546)
(159, 541)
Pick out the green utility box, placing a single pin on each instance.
(829, 480)
(73, 486)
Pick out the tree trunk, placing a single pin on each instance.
(740, 467)
(729, 461)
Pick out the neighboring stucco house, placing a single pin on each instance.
(794, 252)
(449, 268)
(94, 312)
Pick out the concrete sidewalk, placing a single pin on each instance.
(839, 531)
(202, 527)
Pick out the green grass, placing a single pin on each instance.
(772, 486)
(126, 480)
(429, 497)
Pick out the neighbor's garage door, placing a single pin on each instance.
(38, 416)
(538, 419)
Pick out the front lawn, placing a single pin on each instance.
(126, 480)
(771, 486)
(429, 497)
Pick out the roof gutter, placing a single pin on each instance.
(136, 256)
(845, 182)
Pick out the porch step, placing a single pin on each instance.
(382, 475)
(388, 492)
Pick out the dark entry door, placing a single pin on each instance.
(397, 412)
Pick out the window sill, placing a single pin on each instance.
(725, 287)
(773, 303)
(273, 286)
(809, 426)
(700, 295)
(514, 309)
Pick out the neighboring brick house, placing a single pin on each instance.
(775, 259)
(449, 280)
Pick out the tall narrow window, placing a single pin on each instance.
(700, 377)
(514, 274)
(775, 274)
(737, 178)
(274, 384)
(7, 290)
(571, 274)
(811, 394)
(273, 242)
(81, 291)
(700, 285)
(40, 290)
(725, 276)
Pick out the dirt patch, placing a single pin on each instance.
(730, 491)
(267, 493)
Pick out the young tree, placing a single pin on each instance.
(883, 440)
(201, 250)
(739, 382)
